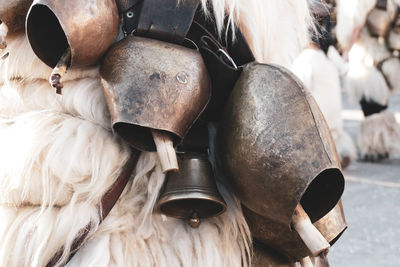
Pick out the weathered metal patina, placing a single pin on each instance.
(264, 256)
(87, 27)
(192, 191)
(150, 84)
(13, 13)
(333, 224)
(276, 148)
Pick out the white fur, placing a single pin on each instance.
(379, 134)
(277, 30)
(322, 77)
(363, 78)
(350, 15)
(59, 156)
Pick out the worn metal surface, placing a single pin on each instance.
(378, 22)
(266, 257)
(13, 13)
(191, 190)
(276, 148)
(276, 235)
(87, 27)
(153, 84)
(124, 5)
(333, 224)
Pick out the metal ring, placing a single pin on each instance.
(130, 14)
(227, 56)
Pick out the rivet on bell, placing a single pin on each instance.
(130, 14)
(194, 221)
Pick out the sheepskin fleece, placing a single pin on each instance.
(379, 136)
(322, 78)
(363, 78)
(59, 157)
(352, 14)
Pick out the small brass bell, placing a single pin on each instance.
(191, 193)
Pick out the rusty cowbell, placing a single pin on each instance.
(71, 33)
(155, 91)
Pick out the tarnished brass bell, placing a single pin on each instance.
(150, 84)
(191, 193)
(378, 22)
(88, 28)
(333, 224)
(276, 148)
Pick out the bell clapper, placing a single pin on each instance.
(166, 151)
(194, 221)
(59, 71)
(310, 235)
(3, 35)
(306, 262)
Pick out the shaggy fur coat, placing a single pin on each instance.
(58, 157)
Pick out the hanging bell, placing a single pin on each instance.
(277, 152)
(88, 28)
(276, 147)
(191, 193)
(378, 22)
(155, 91)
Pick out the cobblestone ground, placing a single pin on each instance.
(372, 207)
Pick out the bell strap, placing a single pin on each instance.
(166, 20)
(107, 203)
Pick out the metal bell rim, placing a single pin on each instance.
(336, 238)
(172, 197)
(317, 191)
(61, 38)
(144, 131)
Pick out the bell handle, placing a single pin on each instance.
(310, 235)
(306, 262)
(60, 70)
(165, 150)
(3, 35)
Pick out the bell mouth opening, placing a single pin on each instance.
(45, 34)
(323, 193)
(140, 137)
(185, 205)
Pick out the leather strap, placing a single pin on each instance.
(107, 203)
(159, 21)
